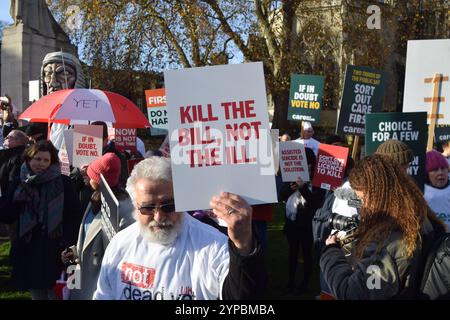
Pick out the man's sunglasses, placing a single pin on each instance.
(148, 210)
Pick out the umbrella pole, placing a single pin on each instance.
(48, 131)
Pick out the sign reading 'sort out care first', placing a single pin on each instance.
(156, 108)
(305, 99)
(363, 94)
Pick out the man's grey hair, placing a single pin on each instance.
(69, 59)
(20, 136)
(153, 168)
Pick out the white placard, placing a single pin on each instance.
(33, 90)
(424, 59)
(293, 162)
(219, 134)
(64, 160)
(87, 144)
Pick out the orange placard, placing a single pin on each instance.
(155, 98)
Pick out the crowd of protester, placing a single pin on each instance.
(56, 221)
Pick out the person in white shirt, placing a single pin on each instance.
(446, 153)
(306, 137)
(169, 255)
(437, 185)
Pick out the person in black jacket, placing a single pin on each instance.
(46, 214)
(298, 227)
(381, 258)
(11, 157)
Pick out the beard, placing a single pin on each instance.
(164, 233)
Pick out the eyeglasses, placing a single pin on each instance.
(149, 210)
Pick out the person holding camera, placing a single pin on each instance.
(384, 253)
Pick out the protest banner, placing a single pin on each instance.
(442, 133)
(219, 134)
(409, 127)
(418, 77)
(125, 139)
(330, 166)
(305, 99)
(109, 209)
(87, 144)
(157, 110)
(293, 161)
(64, 160)
(363, 94)
(427, 85)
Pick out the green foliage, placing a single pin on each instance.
(6, 291)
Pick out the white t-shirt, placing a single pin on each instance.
(193, 267)
(439, 202)
(310, 143)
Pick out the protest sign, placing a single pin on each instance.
(219, 134)
(363, 93)
(409, 127)
(64, 160)
(109, 209)
(305, 99)
(424, 59)
(157, 111)
(427, 82)
(293, 161)
(442, 133)
(330, 166)
(87, 144)
(125, 139)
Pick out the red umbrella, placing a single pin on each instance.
(76, 106)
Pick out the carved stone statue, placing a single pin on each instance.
(35, 15)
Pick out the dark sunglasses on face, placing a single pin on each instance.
(149, 209)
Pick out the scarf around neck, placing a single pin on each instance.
(43, 197)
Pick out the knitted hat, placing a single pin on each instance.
(435, 160)
(397, 151)
(109, 166)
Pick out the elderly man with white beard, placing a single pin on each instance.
(168, 255)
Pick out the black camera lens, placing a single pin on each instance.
(343, 223)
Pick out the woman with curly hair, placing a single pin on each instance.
(381, 260)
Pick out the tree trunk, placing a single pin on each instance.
(280, 115)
